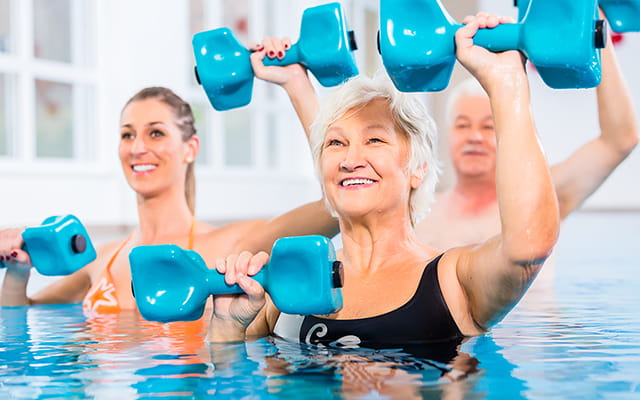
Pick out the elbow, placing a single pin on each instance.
(534, 255)
(534, 244)
(631, 143)
(624, 145)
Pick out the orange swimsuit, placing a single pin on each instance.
(101, 297)
(105, 319)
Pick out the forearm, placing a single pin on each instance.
(618, 123)
(303, 98)
(14, 287)
(526, 196)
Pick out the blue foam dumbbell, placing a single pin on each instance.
(59, 246)
(561, 38)
(623, 15)
(173, 284)
(325, 47)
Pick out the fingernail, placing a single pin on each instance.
(286, 47)
(271, 54)
(280, 54)
(1, 258)
(14, 254)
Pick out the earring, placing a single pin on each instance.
(189, 160)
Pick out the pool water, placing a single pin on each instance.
(575, 335)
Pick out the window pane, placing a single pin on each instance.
(372, 57)
(5, 114)
(237, 137)
(52, 30)
(201, 120)
(235, 18)
(197, 14)
(5, 26)
(272, 141)
(54, 119)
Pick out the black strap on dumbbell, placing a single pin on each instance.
(195, 71)
(353, 44)
(601, 34)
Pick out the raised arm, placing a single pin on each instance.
(584, 171)
(293, 78)
(494, 275)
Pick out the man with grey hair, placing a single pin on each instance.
(468, 211)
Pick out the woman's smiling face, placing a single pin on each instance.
(364, 162)
(152, 152)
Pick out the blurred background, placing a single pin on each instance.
(68, 66)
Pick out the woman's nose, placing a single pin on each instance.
(353, 159)
(138, 145)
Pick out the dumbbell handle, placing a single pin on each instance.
(508, 36)
(291, 56)
(501, 38)
(216, 284)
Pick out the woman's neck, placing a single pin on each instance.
(161, 218)
(371, 245)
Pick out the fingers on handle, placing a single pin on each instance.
(230, 270)
(257, 262)
(253, 290)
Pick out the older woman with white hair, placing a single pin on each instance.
(374, 152)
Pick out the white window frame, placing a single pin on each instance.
(82, 74)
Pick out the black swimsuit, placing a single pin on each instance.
(424, 318)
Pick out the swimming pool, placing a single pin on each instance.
(575, 335)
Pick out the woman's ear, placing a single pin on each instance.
(418, 176)
(192, 148)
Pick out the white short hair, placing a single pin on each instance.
(467, 87)
(408, 113)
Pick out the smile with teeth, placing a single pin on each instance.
(143, 167)
(356, 181)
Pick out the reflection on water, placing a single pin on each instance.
(50, 351)
(574, 336)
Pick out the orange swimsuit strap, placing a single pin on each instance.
(102, 295)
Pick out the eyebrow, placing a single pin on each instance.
(149, 124)
(366, 128)
(376, 126)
